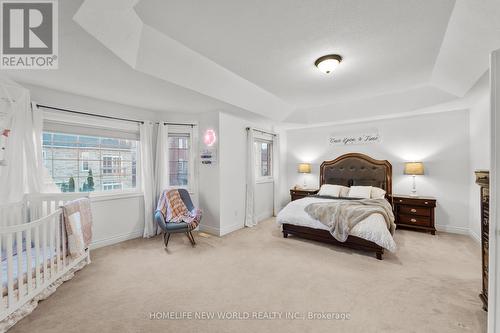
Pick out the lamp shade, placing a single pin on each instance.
(414, 168)
(304, 168)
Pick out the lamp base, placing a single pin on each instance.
(414, 188)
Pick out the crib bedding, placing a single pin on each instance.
(373, 228)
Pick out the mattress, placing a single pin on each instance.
(373, 228)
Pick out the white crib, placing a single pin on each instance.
(33, 247)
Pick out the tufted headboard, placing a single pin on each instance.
(357, 169)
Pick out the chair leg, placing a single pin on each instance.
(166, 238)
(191, 238)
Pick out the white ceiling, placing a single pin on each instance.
(256, 57)
(386, 45)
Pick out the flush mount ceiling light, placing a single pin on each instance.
(328, 63)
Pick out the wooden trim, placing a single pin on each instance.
(385, 163)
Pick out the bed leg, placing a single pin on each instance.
(285, 234)
(379, 255)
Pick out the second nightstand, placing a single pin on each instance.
(415, 212)
(300, 193)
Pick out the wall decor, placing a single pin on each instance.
(208, 156)
(4, 135)
(360, 138)
(209, 138)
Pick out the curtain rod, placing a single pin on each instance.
(261, 131)
(103, 116)
(185, 124)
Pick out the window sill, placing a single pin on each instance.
(96, 197)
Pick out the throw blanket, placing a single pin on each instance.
(340, 217)
(174, 210)
(78, 222)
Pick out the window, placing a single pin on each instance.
(263, 159)
(110, 186)
(81, 163)
(85, 161)
(179, 153)
(111, 165)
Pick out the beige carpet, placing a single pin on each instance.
(430, 285)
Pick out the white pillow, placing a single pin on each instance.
(333, 190)
(377, 193)
(363, 192)
(329, 190)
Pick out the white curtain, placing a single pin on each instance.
(21, 169)
(276, 174)
(250, 218)
(147, 178)
(193, 166)
(162, 161)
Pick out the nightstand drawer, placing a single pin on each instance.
(415, 202)
(415, 220)
(413, 210)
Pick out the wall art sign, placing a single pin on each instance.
(208, 156)
(361, 138)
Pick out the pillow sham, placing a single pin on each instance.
(377, 193)
(363, 192)
(332, 190)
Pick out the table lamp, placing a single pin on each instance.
(414, 169)
(304, 168)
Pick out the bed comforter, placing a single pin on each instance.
(373, 228)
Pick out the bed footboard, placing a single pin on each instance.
(325, 237)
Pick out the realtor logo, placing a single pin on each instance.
(29, 34)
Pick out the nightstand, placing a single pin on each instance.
(302, 193)
(414, 212)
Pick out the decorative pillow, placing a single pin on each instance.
(330, 190)
(363, 192)
(344, 192)
(377, 193)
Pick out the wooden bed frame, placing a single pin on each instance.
(349, 169)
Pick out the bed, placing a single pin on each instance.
(353, 169)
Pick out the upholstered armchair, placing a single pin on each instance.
(176, 227)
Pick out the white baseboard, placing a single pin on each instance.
(231, 228)
(209, 229)
(453, 230)
(115, 239)
(264, 216)
(220, 232)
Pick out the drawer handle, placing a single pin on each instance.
(413, 220)
(426, 203)
(400, 200)
(413, 210)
